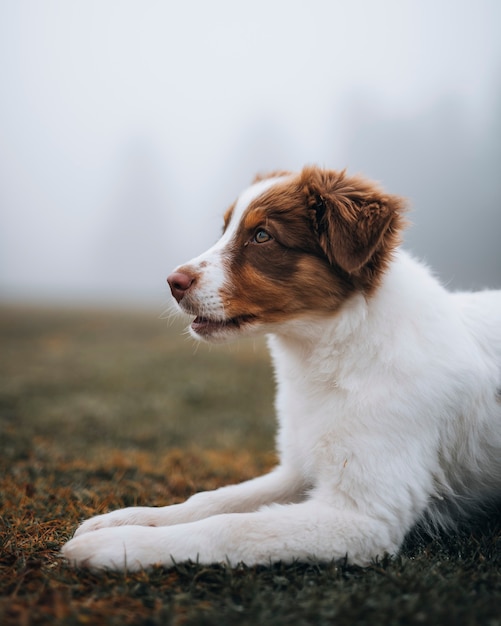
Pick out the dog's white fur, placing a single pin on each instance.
(389, 414)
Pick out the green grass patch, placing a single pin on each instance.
(100, 410)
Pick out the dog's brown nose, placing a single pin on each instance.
(179, 283)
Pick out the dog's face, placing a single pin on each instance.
(293, 245)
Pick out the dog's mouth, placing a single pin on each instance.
(205, 326)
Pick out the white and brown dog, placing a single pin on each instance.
(389, 387)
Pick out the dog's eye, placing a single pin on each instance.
(261, 236)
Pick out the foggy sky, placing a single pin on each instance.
(127, 128)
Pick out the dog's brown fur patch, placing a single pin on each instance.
(331, 234)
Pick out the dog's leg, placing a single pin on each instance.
(308, 530)
(281, 486)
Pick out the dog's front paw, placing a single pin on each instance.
(116, 518)
(125, 547)
(132, 516)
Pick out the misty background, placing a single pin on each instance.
(127, 128)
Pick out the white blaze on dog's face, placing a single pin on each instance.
(293, 245)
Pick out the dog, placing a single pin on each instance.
(388, 386)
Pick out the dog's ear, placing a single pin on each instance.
(354, 220)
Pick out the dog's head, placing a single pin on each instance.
(292, 245)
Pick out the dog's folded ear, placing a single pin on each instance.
(356, 223)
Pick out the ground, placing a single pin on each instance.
(100, 410)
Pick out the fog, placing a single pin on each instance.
(127, 128)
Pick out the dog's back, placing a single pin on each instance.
(482, 315)
(471, 456)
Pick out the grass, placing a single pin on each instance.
(104, 410)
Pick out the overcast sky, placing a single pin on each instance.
(127, 127)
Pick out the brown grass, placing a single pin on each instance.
(43, 498)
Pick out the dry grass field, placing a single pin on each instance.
(100, 410)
